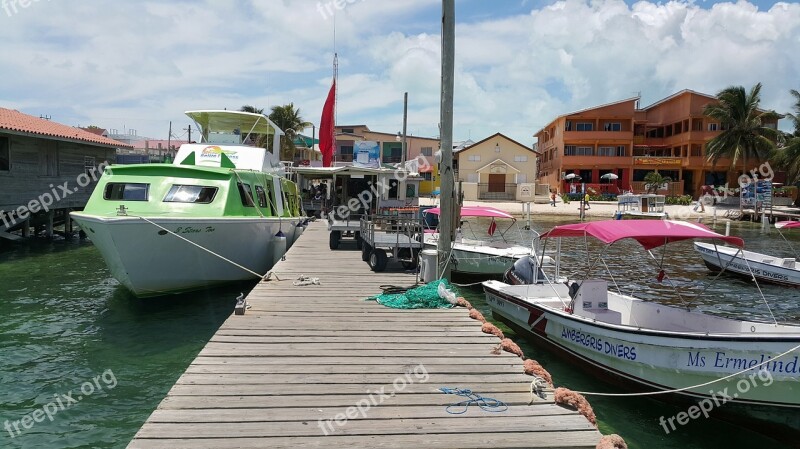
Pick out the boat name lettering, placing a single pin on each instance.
(788, 366)
(760, 272)
(193, 230)
(618, 350)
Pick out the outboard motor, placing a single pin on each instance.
(523, 270)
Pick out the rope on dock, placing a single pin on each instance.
(476, 315)
(463, 303)
(485, 404)
(489, 328)
(612, 441)
(577, 401)
(534, 368)
(305, 280)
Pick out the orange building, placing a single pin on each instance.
(620, 138)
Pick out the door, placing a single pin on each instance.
(497, 182)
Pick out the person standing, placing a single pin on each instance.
(553, 197)
(586, 200)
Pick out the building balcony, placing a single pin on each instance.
(496, 191)
(598, 136)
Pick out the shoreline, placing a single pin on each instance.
(597, 209)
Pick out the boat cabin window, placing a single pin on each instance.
(246, 193)
(190, 194)
(262, 196)
(127, 191)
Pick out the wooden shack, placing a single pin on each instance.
(46, 170)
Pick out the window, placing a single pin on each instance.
(393, 189)
(475, 158)
(612, 127)
(427, 176)
(568, 126)
(427, 151)
(584, 126)
(712, 126)
(246, 194)
(5, 154)
(126, 191)
(346, 149)
(262, 196)
(190, 194)
(89, 166)
(618, 150)
(520, 158)
(572, 150)
(348, 130)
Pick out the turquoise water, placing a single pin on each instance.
(66, 322)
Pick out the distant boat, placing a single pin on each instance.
(644, 206)
(650, 346)
(764, 267)
(486, 258)
(222, 212)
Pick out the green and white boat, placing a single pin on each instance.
(222, 212)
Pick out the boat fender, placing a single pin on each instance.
(489, 328)
(475, 315)
(534, 368)
(463, 302)
(661, 275)
(576, 401)
(279, 248)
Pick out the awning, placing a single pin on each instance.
(475, 211)
(649, 233)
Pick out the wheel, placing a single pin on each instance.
(413, 262)
(359, 242)
(334, 239)
(365, 251)
(377, 260)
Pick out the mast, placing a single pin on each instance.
(448, 206)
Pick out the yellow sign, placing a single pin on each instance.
(657, 161)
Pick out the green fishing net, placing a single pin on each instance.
(423, 297)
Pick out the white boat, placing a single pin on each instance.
(222, 212)
(644, 206)
(486, 258)
(764, 267)
(653, 347)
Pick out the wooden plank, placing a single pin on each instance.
(301, 355)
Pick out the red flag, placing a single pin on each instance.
(326, 127)
(492, 227)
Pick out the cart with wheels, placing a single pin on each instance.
(384, 237)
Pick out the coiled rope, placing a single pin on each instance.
(485, 404)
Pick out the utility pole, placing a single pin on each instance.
(169, 140)
(404, 148)
(448, 204)
(189, 139)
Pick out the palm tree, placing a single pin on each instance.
(654, 180)
(744, 131)
(289, 120)
(788, 156)
(251, 109)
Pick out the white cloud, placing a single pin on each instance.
(140, 64)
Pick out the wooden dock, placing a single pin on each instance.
(317, 366)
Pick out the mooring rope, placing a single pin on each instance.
(260, 276)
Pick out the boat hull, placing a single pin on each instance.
(718, 257)
(467, 260)
(648, 361)
(150, 261)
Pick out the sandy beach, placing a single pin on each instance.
(596, 209)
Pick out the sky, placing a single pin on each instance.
(134, 64)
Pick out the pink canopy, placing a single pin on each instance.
(476, 211)
(649, 233)
(787, 224)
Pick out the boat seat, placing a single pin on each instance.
(591, 301)
(767, 260)
(789, 262)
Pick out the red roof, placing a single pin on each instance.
(12, 120)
